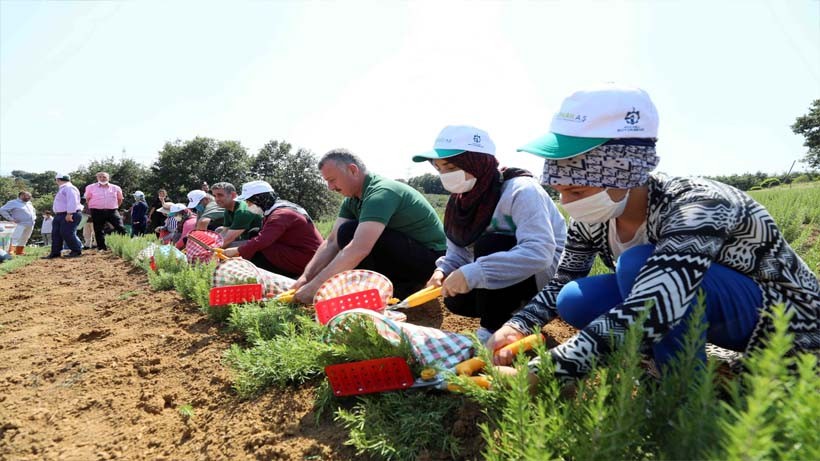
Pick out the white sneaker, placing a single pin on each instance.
(483, 334)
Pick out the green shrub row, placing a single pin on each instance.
(618, 412)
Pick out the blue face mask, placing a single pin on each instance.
(200, 208)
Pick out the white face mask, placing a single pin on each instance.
(103, 183)
(596, 208)
(253, 208)
(456, 182)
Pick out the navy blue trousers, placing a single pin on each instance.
(64, 231)
(733, 301)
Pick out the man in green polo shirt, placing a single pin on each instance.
(385, 226)
(238, 220)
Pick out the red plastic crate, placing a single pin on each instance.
(369, 376)
(235, 294)
(369, 299)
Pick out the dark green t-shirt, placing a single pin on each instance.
(213, 212)
(399, 207)
(241, 218)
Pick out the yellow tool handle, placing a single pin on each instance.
(471, 366)
(522, 345)
(481, 381)
(286, 296)
(220, 253)
(422, 296)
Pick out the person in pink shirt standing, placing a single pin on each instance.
(104, 199)
(66, 217)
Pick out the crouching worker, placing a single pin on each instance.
(287, 240)
(185, 220)
(383, 225)
(504, 233)
(665, 237)
(238, 221)
(209, 215)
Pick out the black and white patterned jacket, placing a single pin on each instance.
(692, 223)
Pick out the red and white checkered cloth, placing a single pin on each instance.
(238, 271)
(431, 346)
(354, 281)
(198, 254)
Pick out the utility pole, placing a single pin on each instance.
(789, 173)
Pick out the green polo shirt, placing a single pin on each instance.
(399, 207)
(241, 218)
(213, 212)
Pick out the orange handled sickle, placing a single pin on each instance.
(481, 381)
(470, 366)
(219, 252)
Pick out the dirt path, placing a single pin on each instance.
(95, 365)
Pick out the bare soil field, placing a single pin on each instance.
(95, 365)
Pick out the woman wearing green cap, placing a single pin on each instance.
(665, 237)
(504, 233)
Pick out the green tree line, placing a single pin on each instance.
(182, 166)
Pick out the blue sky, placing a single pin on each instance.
(85, 80)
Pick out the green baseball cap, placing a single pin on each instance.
(437, 153)
(558, 146)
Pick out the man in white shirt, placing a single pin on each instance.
(21, 212)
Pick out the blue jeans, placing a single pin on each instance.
(64, 231)
(733, 301)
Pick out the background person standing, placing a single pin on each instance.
(139, 214)
(45, 230)
(104, 199)
(87, 226)
(157, 213)
(66, 217)
(22, 213)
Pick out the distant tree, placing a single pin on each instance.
(37, 183)
(427, 183)
(809, 126)
(183, 165)
(295, 177)
(10, 187)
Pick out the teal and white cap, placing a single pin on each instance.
(457, 139)
(594, 116)
(176, 208)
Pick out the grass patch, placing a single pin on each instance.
(620, 413)
(194, 282)
(258, 322)
(186, 411)
(32, 254)
(290, 358)
(400, 425)
(129, 294)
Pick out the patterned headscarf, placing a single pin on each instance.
(620, 164)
